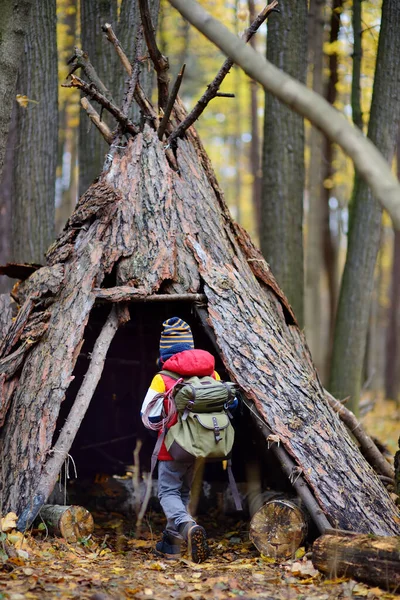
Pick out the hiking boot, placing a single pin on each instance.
(198, 549)
(169, 547)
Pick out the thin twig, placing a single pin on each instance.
(95, 119)
(110, 35)
(91, 91)
(171, 102)
(80, 60)
(160, 61)
(214, 86)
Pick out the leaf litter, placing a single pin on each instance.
(114, 565)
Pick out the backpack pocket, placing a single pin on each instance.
(205, 435)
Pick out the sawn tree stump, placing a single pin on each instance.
(70, 522)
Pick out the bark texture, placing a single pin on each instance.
(283, 158)
(365, 224)
(35, 153)
(172, 230)
(13, 26)
(92, 147)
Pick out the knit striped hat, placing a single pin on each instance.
(176, 336)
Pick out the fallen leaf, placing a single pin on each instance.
(9, 522)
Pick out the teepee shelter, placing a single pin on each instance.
(151, 237)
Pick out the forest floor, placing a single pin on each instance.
(114, 564)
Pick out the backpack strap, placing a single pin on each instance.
(232, 483)
(170, 374)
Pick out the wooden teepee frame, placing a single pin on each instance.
(156, 220)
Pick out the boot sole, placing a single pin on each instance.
(197, 544)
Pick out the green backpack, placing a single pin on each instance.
(203, 430)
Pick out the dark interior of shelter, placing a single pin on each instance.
(102, 451)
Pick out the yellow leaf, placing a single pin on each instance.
(9, 522)
(24, 100)
(300, 552)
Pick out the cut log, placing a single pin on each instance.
(70, 522)
(367, 558)
(278, 529)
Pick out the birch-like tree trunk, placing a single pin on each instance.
(365, 219)
(283, 158)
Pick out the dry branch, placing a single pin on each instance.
(367, 159)
(64, 442)
(160, 61)
(80, 60)
(110, 35)
(103, 101)
(96, 120)
(367, 445)
(213, 87)
(126, 293)
(170, 103)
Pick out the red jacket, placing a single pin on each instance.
(186, 364)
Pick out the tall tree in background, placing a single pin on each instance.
(255, 162)
(392, 365)
(92, 147)
(35, 149)
(329, 246)
(94, 15)
(283, 158)
(13, 26)
(365, 222)
(315, 216)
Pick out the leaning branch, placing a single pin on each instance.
(64, 442)
(112, 38)
(368, 161)
(212, 90)
(96, 120)
(80, 60)
(103, 101)
(367, 446)
(170, 103)
(144, 103)
(160, 61)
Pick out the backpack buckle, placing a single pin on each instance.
(217, 435)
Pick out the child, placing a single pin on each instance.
(177, 354)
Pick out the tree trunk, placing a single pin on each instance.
(370, 559)
(13, 27)
(70, 522)
(329, 245)
(358, 276)
(278, 529)
(92, 147)
(283, 158)
(255, 162)
(35, 154)
(314, 244)
(392, 363)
